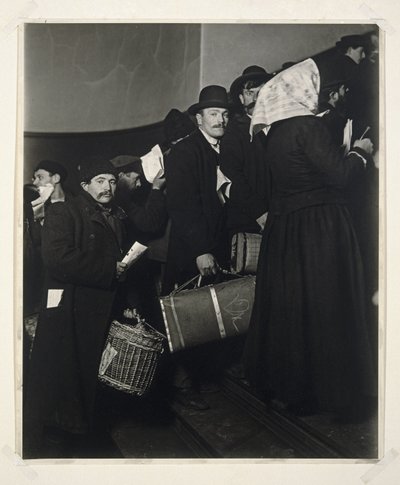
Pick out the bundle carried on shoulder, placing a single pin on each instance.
(131, 354)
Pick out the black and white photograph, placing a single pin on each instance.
(201, 240)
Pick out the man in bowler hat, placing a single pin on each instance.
(198, 244)
(194, 203)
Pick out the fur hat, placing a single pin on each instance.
(95, 166)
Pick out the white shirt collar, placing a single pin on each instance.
(214, 142)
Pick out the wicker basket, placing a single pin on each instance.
(130, 357)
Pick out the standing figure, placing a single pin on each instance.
(194, 200)
(47, 188)
(82, 241)
(308, 343)
(146, 210)
(243, 161)
(198, 242)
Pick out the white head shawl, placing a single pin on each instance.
(292, 92)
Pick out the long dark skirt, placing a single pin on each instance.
(308, 337)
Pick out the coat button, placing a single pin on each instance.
(91, 236)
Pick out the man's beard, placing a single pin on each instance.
(249, 108)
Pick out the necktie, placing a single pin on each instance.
(215, 146)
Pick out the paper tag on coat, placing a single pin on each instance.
(347, 135)
(152, 163)
(108, 355)
(54, 298)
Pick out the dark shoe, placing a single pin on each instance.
(191, 399)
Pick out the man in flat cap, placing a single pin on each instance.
(243, 161)
(146, 208)
(143, 202)
(82, 246)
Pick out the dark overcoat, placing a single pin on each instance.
(244, 162)
(80, 251)
(197, 214)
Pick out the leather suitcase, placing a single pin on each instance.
(245, 249)
(207, 314)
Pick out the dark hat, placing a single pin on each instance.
(251, 73)
(127, 163)
(352, 41)
(210, 97)
(177, 125)
(332, 71)
(52, 167)
(95, 166)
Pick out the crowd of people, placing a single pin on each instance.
(291, 156)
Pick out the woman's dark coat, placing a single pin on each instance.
(308, 339)
(80, 251)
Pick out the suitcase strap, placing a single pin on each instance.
(177, 324)
(218, 313)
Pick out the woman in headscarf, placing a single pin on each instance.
(307, 345)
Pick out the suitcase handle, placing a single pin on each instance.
(199, 278)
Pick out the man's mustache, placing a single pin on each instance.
(251, 105)
(106, 192)
(218, 126)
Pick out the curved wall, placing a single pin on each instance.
(100, 77)
(266, 45)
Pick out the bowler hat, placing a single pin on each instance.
(210, 97)
(251, 73)
(127, 163)
(352, 41)
(52, 167)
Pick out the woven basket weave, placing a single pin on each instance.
(130, 357)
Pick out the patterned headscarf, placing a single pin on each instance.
(292, 92)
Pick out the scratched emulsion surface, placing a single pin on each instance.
(99, 77)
